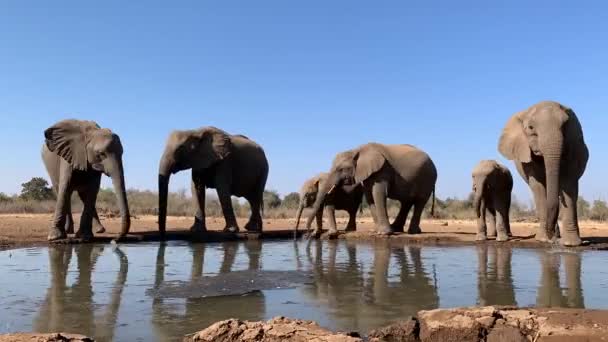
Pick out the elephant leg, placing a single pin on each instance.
(482, 228)
(97, 226)
(399, 221)
(64, 195)
(507, 210)
(351, 226)
(570, 235)
(416, 216)
(69, 219)
(331, 217)
(88, 195)
(226, 203)
(540, 200)
(198, 196)
(491, 221)
(379, 191)
(255, 220)
(502, 222)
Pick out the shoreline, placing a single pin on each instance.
(29, 230)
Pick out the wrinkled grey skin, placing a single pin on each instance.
(234, 165)
(347, 198)
(75, 154)
(492, 186)
(400, 172)
(547, 145)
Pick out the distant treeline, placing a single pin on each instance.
(37, 197)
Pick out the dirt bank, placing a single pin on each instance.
(56, 337)
(31, 229)
(487, 324)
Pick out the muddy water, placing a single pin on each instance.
(161, 292)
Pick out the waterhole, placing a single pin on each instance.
(162, 292)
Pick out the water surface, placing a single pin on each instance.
(162, 292)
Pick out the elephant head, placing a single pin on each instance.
(86, 146)
(349, 169)
(546, 132)
(484, 177)
(193, 149)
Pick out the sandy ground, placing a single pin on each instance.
(30, 229)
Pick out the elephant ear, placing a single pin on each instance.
(369, 160)
(69, 139)
(513, 143)
(219, 141)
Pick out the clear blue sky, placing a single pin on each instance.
(305, 79)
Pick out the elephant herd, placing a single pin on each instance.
(545, 142)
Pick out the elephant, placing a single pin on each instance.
(75, 154)
(547, 145)
(492, 186)
(347, 198)
(400, 172)
(232, 164)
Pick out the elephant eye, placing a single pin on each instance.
(101, 155)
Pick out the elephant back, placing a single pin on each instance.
(409, 161)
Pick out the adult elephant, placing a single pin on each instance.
(75, 154)
(399, 172)
(232, 164)
(547, 145)
(492, 186)
(347, 198)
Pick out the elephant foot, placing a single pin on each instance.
(100, 230)
(414, 230)
(333, 233)
(502, 237)
(542, 236)
(69, 228)
(231, 229)
(386, 231)
(253, 227)
(56, 234)
(315, 234)
(350, 229)
(570, 241)
(492, 235)
(396, 228)
(84, 236)
(198, 228)
(481, 237)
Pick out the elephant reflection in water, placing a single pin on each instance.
(198, 313)
(495, 282)
(550, 293)
(363, 302)
(71, 308)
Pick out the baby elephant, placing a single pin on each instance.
(492, 185)
(347, 198)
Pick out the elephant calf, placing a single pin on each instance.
(492, 186)
(75, 154)
(341, 198)
(400, 172)
(232, 164)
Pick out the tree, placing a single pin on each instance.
(599, 211)
(271, 199)
(4, 197)
(37, 189)
(291, 201)
(583, 208)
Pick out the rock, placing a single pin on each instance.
(504, 333)
(275, 330)
(406, 331)
(449, 325)
(54, 337)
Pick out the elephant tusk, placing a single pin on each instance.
(331, 190)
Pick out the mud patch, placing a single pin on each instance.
(231, 284)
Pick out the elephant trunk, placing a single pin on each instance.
(552, 154)
(118, 180)
(299, 213)
(164, 175)
(477, 199)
